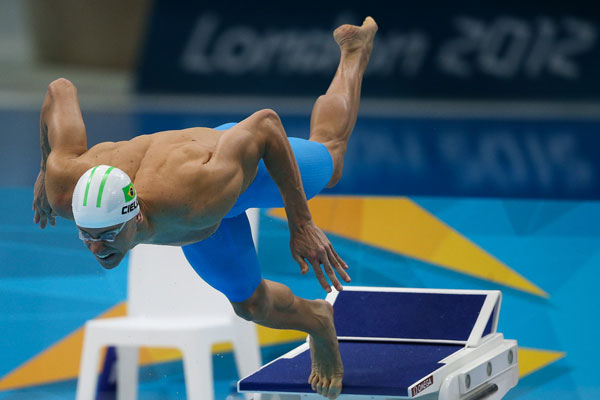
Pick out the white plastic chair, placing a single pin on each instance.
(169, 306)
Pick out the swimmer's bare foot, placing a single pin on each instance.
(327, 369)
(357, 39)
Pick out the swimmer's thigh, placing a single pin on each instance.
(227, 260)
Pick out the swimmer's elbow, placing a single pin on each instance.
(59, 85)
(273, 133)
(57, 89)
(269, 121)
(268, 114)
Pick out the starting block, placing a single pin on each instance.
(399, 343)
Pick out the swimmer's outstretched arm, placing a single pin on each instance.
(62, 139)
(262, 136)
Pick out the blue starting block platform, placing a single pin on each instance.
(404, 343)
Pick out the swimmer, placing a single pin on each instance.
(190, 188)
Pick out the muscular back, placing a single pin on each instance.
(182, 193)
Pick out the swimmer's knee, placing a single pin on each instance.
(242, 310)
(249, 310)
(337, 150)
(254, 308)
(337, 174)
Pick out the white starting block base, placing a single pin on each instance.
(452, 377)
(477, 362)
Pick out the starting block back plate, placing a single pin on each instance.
(397, 315)
(423, 315)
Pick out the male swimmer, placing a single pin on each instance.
(190, 188)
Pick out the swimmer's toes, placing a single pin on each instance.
(312, 381)
(318, 387)
(334, 392)
(351, 37)
(345, 33)
(323, 386)
(369, 21)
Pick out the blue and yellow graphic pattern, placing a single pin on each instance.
(540, 254)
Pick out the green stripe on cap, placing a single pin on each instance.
(104, 178)
(87, 187)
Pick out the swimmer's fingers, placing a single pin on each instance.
(43, 216)
(42, 210)
(338, 264)
(52, 218)
(43, 221)
(46, 216)
(340, 261)
(319, 274)
(327, 265)
(316, 265)
(36, 214)
(303, 265)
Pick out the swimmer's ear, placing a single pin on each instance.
(139, 218)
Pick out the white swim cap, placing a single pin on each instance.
(104, 196)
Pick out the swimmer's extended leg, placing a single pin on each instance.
(334, 113)
(228, 262)
(275, 306)
(333, 118)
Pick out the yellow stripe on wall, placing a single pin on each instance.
(532, 360)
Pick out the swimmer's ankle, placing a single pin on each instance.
(323, 328)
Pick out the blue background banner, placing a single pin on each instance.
(474, 157)
(545, 158)
(460, 49)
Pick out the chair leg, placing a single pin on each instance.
(245, 348)
(198, 370)
(127, 372)
(88, 369)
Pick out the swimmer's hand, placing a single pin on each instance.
(43, 212)
(309, 243)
